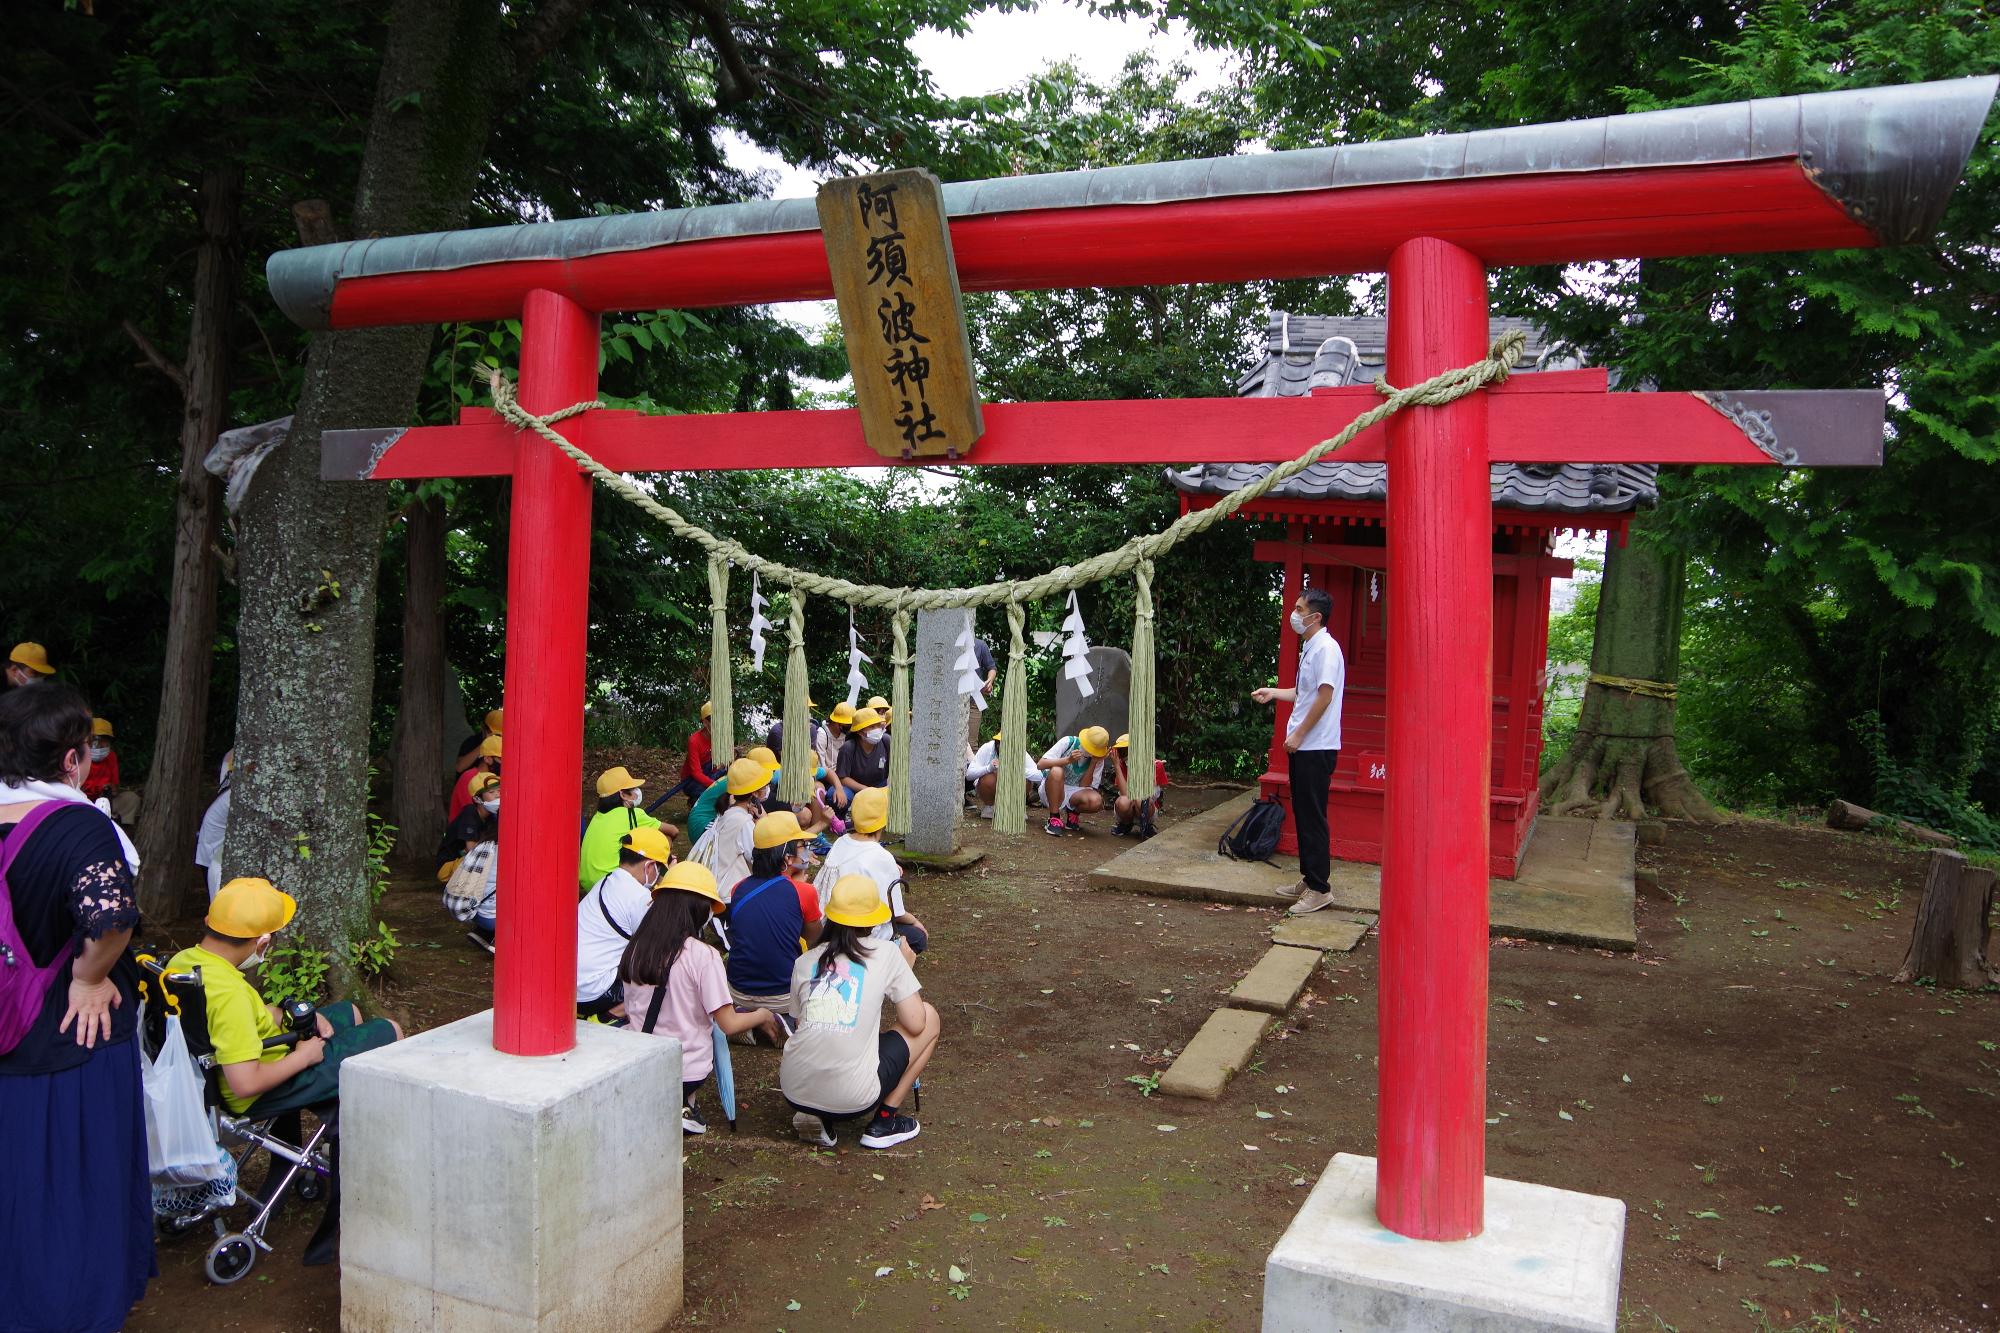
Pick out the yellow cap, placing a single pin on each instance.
(690, 877)
(870, 809)
(490, 748)
(32, 656)
(855, 901)
(843, 713)
(747, 775)
(651, 844)
(879, 704)
(100, 726)
(617, 779)
(776, 829)
(1123, 742)
(483, 782)
(247, 908)
(706, 709)
(863, 719)
(1096, 742)
(763, 755)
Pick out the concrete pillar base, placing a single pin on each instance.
(1548, 1260)
(483, 1191)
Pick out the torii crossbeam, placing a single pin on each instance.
(1829, 170)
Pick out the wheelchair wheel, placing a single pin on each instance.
(230, 1259)
(310, 1185)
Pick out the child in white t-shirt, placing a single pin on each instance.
(860, 852)
(983, 772)
(676, 985)
(1071, 770)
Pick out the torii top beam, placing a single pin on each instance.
(1825, 170)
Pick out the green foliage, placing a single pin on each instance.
(372, 954)
(293, 971)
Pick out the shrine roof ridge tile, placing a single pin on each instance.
(1303, 352)
(1890, 156)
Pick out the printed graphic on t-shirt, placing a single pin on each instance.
(833, 998)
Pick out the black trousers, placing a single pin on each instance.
(1312, 776)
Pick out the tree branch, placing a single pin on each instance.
(541, 35)
(154, 355)
(739, 83)
(40, 112)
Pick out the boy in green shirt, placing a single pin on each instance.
(242, 918)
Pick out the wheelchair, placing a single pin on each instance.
(298, 1163)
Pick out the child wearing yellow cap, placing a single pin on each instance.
(860, 852)
(1071, 770)
(241, 920)
(619, 794)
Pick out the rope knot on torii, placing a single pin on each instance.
(1135, 557)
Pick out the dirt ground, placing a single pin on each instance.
(1800, 1144)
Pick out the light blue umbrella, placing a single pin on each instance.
(725, 1076)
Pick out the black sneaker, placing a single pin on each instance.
(1072, 821)
(1121, 830)
(691, 1121)
(1054, 827)
(886, 1131)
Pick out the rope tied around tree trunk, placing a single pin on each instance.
(1134, 557)
(1650, 689)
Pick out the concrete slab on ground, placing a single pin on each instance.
(464, 1207)
(1322, 930)
(1223, 1046)
(1548, 1260)
(1276, 980)
(1575, 885)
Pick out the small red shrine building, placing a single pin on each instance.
(1333, 539)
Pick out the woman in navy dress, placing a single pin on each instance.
(76, 1228)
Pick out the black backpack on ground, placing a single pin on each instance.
(1254, 835)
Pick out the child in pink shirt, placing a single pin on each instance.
(676, 985)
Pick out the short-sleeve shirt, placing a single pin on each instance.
(1081, 770)
(700, 760)
(238, 1021)
(103, 775)
(1320, 663)
(868, 769)
(214, 824)
(767, 918)
(987, 760)
(697, 986)
(599, 943)
(461, 791)
(727, 847)
(830, 1062)
(70, 882)
(983, 656)
(598, 856)
(702, 813)
(864, 856)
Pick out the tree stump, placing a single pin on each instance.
(1948, 942)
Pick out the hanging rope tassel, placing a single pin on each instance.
(798, 759)
(1010, 797)
(1139, 712)
(899, 734)
(721, 706)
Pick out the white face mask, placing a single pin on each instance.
(491, 807)
(634, 795)
(258, 957)
(1298, 622)
(99, 749)
(873, 735)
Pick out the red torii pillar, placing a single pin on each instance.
(1794, 173)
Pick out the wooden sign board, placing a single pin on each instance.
(897, 288)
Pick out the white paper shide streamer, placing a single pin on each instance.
(1076, 650)
(758, 623)
(970, 682)
(857, 680)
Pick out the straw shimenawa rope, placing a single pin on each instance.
(1135, 557)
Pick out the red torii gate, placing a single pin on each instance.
(1829, 170)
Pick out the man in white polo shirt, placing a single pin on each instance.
(1313, 741)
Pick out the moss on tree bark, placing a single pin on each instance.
(1622, 760)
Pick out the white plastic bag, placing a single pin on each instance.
(180, 1149)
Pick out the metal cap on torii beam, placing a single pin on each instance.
(1853, 168)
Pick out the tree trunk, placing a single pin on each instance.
(176, 782)
(1948, 942)
(1852, 818)
(1622, 759)
(418, 780)
(309, 551)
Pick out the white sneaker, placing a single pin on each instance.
(1310, 901)
(811, 1129)
(986, 812)
(1293, 890)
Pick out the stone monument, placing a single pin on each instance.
(937, 735)
(1110, 683)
